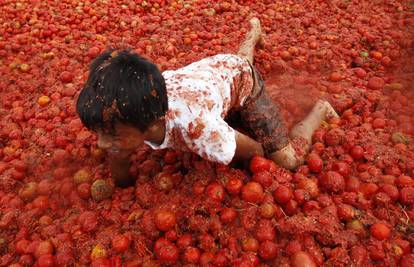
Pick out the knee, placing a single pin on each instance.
(287, 158)
(281, 160)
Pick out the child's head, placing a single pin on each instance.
(122, 90)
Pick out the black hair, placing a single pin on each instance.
(122, 87)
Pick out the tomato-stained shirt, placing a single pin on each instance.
(199, 97)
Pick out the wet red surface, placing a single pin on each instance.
(356, 209)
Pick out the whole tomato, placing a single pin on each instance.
(165, 220)
(166, 251)
(120, 243)
(216, 191)
(252, 192)
(259, 164)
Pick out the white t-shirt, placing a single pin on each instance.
(199, 98)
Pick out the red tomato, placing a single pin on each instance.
(21, 246)
(379, 123)
(101, 262)
(360, 73)
(264, 178)
(357, 152)
(41, 202)
(116, 261)
(252, 192)
(342, 168)
(268, 250)
(228, 215)
(84, 190)
(259, 164)
(234, 186)
(171, 235)
(165, 220)
(335, 77)
(192, 255)
(216, 192)
(332, 181)
(359, 164)
(64, 258)
(345, 212)
(250, 244)
(267, 210)
(315, 163)
(291, 208)
(184, 241)
(391, 191)
(358, 254)
(407, 260)
(45, 187)
(120, 243)
(310, 186)
(44, 248)
(93, 52)
(404, 181)
(265, 230)
(352, 184)
(206, 258)
(88, 221)
(46, 260)
(380, 231)
(302, 259)
(376, 83)
(283, 194)
(407, 195)
(166, 251)
(66, 77)
(334, 137)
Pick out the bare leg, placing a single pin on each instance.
(246, 49)
(287, 156)
(307, 127)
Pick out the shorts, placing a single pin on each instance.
(261, 119)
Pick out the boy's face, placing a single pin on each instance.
(126, 138)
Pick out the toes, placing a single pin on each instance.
(255, 22)
(330, 111)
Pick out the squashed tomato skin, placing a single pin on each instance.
(350, 202)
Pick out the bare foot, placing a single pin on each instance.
(330, 111)
(255, 24)
(256, 30)
(286, 157)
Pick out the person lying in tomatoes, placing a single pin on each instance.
(129, 102)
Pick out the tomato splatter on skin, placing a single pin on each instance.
(355, 54)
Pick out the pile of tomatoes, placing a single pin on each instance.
(350, 203)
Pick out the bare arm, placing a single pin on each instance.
(119, 165)
(246, 147)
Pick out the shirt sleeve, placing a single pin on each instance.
(211, 138)
(238, 72)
